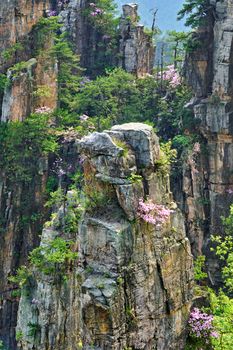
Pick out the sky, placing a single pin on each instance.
(166, 16)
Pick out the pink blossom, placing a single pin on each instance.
(43, 110)
(84, 117)
(172, 76)
(155, 214)
(201, 325)
(52, 13)
(96, 10)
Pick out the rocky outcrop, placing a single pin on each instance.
(17, 19)
(26, 74)
(21, 203)
(20, 96)
(135, 49)
(131, 285)
(124, 280)
(21, 217)
(137, 52)
(209, 191)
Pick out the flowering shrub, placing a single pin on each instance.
(96, 11)
(172, 76)
(201, 326)
(155, 214)
(52, 13)
(43, 110)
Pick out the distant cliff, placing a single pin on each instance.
(208, 189)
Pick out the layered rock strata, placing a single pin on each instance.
(137, 52)
(131, 285)
(209, 189)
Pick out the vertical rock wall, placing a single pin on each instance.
(16, 21)
(131, 285)
(209, 193)
(137, 51)
(17, 237)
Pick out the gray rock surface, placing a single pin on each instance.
(131, 285)
(137, 51)
(209, 188)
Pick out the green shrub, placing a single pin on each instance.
(123, 145)
(22, 144)
(3, 82)
(199, 265)
(11, 51)
(167, 156)
(196, 12)
(51, 257)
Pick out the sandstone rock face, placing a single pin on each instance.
(209, 192)
(17, 20)
(136, 47)
(131, 285)
(19, 235)
(18, 100)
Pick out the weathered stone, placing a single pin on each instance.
(208, 189)
(17, 98)
(142, 140)
(136, 47)
(132, 283)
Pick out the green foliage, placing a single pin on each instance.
(19, 68)
(224, 250)
(68, 69)
(123, 145)
(182, 142)
(106, 27)
(11, 51)
(21, 276)
(3, 82)
(22, 144)
(51, 184)
(19, 335)
(2, 345)
(48, 30)
(74, 210)
(57, 198)
(72, 204)
(196, 12)
(221, 306)
(95, 200)
(134, 178)
(34, 329)
(51, 257)
(167, 156)
(45, 30)
(117, 98)
(179, 42)
(173, 117)
(199, 265)
(42, 91)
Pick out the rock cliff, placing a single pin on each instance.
(131, 285)
(137, 52)
(208, 189)
(132, 282)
